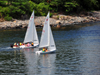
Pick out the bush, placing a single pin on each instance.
(3, 3)
(8, 18)
(70, 6)
(42, 9)
(51, 14)
(32, 6)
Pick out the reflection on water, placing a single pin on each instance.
(12, 62)
(78, 53)
(39, 64)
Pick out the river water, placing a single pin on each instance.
(78, 53)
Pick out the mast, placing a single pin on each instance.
(48, 32)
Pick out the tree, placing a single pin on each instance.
(88, 4)
(42, 9)
(70, 6)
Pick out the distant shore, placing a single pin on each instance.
(55, 21)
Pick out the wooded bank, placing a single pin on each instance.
(20, 9)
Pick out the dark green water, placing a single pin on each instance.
(78, 53)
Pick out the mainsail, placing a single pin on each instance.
(31, 34)
(52, 45)
(47, 37)
(45, 34)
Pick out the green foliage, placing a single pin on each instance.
(0, 15)
(15, 3)
(51, 14)
(14, 11)
(70, 6)
(92, 3)
(8, 18)
(31, 6)
(42, 9)
(16, 8)
(3, 3)
(4, 10)
(88, 4)
(55, 5)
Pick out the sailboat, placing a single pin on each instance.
(47, 39)
(31, 34)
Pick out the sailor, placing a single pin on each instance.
(28, 44)
(46, 50)
(32, 43)
(20, 43)
(43, 49)
(23, 43)
(15, 44)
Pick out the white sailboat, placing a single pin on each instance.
(47, 39)
(31, 34)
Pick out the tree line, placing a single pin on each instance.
(16, 8)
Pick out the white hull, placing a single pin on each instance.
(23, 46)
(48, 52)
(15, 47)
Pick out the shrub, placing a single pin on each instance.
(8, 18)
(42, 9)
(70, 6)
(51, 14)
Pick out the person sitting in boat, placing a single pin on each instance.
(23, 43)
(43, 49)
(32, 44)
(15, 45)
(46, 50)
(28, 45)
(20, 43)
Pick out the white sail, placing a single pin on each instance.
(44, 37)
(47, 37)
(31, 34)
(35, 37)
(51, 42)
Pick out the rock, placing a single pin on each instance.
(95, 14)
(61, 17)
(55, 17)
(24, 26)
(54, 21)
(37, 23)
(14, 21)
(67, 17)
(58, 21)
(2, 20)
(58, 26)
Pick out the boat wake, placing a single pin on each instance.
(6, 49)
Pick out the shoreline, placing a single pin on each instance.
(55, 21)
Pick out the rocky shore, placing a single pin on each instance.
(56, 20)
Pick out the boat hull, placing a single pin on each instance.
(23, 46)
(48, 52)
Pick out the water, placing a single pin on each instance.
(78, 53)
